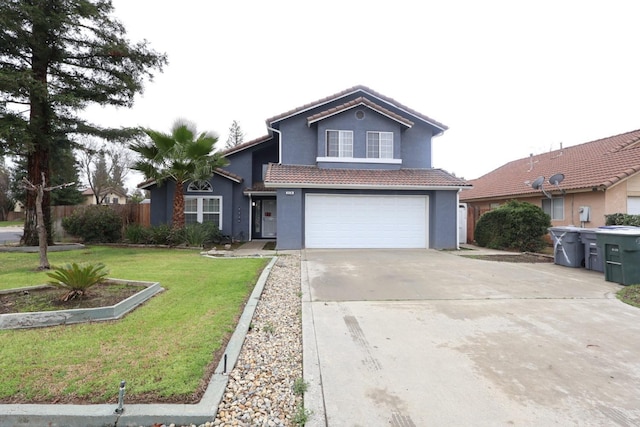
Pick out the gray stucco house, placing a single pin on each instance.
(352, 170)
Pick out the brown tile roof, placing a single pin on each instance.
(258, 187)
(246, 145)
(596, 164)
(218, 171)
(351, 90)
(314, 177)
(356, 102)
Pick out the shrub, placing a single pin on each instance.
(514, 225)
(201, 234)
(159, 234)
(622, 219)
(94, 224)
(137, 234)
(77, 278)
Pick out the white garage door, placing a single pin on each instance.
(353, 221)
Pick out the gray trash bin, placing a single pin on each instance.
(593, 259)
(567, 247)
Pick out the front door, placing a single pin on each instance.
(269, 218)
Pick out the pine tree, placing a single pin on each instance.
(56, 57)
(236, 136)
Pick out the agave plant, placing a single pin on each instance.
(77, 278)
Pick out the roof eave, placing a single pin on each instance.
(363, 186)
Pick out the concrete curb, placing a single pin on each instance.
(314, 396)
(140, 414)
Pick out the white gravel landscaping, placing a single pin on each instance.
(260, 391)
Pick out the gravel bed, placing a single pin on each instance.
(260, 391)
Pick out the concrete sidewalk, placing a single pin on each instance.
(413, 338)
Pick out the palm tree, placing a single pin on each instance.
(181, 156)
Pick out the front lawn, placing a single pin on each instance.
(165, 349)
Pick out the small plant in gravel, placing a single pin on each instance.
(269, 328)
(300, 386)
(301, 416)
(77, 278)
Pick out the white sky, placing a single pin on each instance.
(509, 78)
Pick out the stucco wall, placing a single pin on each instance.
(443, 225)
(616, 199)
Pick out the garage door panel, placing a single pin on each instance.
(340, 221)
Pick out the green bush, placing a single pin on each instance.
(94, 224)
(159, 234)
(514, 225)
(201, 234)
(137, 234)
(622, 219)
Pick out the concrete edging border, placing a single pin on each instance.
(78, 315)
(144, 414)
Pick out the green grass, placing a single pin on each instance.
(16, 223)
(630, 295)
(163, 349)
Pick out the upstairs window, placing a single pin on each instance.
(380, 145)
(339, 143)
(554, 207)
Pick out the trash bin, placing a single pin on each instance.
(567, 247)
(593, 259)
(621, 249)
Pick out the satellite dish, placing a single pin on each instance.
(556, 179)
(537, 184)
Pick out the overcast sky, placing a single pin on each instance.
(508, 78)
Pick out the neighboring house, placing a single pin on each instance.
(352, 170)
(600, 178)
(111, 197)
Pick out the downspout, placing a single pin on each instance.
(250, 216)
(458, 219)
(279, 143)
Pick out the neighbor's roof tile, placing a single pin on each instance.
(596, 164)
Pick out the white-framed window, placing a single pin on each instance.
(339, 143)
(380, 145)
(554, 207)
(199, 187)
(203, 209)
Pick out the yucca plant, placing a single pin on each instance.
(77, 278)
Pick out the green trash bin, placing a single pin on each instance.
(621, 249)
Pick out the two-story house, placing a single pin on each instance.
(352, 170)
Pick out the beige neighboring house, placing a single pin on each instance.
(111, 197)
(600, 178)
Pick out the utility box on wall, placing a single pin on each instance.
(584, 213)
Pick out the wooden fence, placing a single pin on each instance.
(130, 213)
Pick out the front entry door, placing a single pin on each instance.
(269, 218)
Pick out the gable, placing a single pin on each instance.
(347, 96)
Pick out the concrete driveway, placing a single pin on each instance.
(408, 338)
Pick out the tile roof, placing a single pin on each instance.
(351, 90)
(246, 145)
(356, 102)
(596, 164)
(218, 171)
(314, 177)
